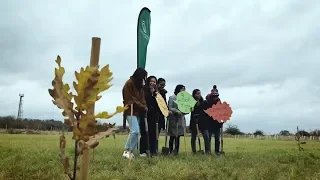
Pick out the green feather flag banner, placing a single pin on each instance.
(143, 36)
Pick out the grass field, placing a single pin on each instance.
(35, 157)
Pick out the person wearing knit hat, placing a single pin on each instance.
(214, 92)
(214, 88)
(213, 125)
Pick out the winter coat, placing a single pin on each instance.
(196, 118)
(153, 110)
(174, 119)
(132, 95)
(213, 125)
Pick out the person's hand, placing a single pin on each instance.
(152, 90)
(146, 108)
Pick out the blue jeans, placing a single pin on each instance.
(216, 140)
(207, 144)
(131, 146)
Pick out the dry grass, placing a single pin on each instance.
(34, 157)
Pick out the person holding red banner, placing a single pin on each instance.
(213, 125)
(133, 96)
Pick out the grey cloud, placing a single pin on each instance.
(259, 47)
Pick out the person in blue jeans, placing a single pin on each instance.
(213, 125)
(216, 134)
(133, 94)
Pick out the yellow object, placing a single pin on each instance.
(90, 83)
(106, 115)
(162, 105)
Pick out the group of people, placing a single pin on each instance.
(139, 93)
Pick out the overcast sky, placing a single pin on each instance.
(262, 55)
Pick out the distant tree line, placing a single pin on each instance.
(10, 122)
(234, 130)
(36, 124)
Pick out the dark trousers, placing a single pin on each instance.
(176, 141)
(143, 142)
(152, 143)
(157, 142)
(216, 140)
(205, 135)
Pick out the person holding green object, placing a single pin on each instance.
(175, 120)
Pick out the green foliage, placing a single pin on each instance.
(258, 133)
(304, 133)
(233, 130)
(285, 133)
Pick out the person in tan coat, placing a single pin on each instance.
(133, 93)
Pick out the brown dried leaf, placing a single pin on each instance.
(60, 94)
(95, 139)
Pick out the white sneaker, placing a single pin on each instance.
(128, 155)
(124, 153)
(143, 155)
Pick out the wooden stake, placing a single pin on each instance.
(185, 133)
(93, 154)
(114, 139)
(94, 61)
(130, 126)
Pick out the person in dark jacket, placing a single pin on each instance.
(163, 92)
(202, 123)
(213, 125)
(152, 118)
(133, 93)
